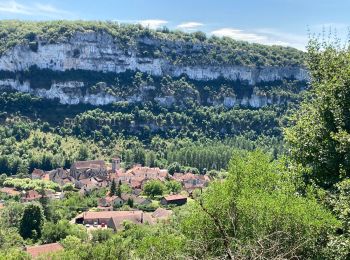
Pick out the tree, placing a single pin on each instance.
(68, 187)
(11, 215)
(113, 189)
(101, 235)
(83, 153)
(256, 213)
(173, 186)
(154, 188)
(118, 191)
(32, 222)
(319, 137)
(130, 202)
(52, 232)
(174, 167)
(44, 201)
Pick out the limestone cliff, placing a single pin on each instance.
(101, 52)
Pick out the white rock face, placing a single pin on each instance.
(98, 52)
(72, 93)
(69, 92)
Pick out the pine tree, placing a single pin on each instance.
(113, 189)
(118, 191)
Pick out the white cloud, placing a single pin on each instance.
(189, 25)
(263, 36)
(239, 35)
(37, 9)
(153, 23)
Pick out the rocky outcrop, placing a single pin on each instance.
(73, 93)
(92, 51)
(99, 52)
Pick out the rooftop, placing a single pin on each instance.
(175, 197)
(36, 251)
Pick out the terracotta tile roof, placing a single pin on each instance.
(161, 213)
(109, 214)
(36, 251)
(38, 173)
(111, 199)
(31, 195)
(10, 191)
(95, 164)
(135, 217)
(174, 197)
(126, 196)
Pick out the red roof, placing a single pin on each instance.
(10, 191)
(31, 195)
(161, 213)
(175, 197)
(35, 251)
(109, 214)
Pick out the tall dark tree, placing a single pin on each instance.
(113, 188)
(32, 222)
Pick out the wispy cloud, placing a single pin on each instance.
(153, 23)
(263, 36)
(36, 9)
(189, 26)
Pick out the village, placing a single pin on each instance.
(126, 199)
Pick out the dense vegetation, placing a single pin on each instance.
(276, 198)
(176, 46)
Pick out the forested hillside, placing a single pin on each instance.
(144, 117)
(269, 140)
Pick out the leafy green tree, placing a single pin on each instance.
(256, 212)
(173, 168)
(154, 188)
(83, 153)
(52, 232)
(9, 238)
(32, 222)
(173, 186)
(68, 187)
(11, 215)
(101, 235)
(320, 137)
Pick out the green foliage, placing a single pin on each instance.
(11, 215)
(53, 232)
(173, 186)
(259, 213)
(10, 238)
(319, 139)
(154, 188)
(214, 50)
(113, 189)
(68, 187)
(32, 222)
(29, 184)
(101, 235)
(174, 167)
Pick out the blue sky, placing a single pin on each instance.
(284, 22)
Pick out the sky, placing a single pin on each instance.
(282, 22)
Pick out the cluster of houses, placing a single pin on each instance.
(89, 175)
